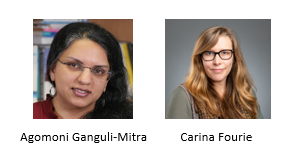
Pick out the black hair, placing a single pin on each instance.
(114, 103)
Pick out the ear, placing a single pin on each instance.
(52, 73)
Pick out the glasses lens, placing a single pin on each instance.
(101, 74)
(208, 55)
(74, 66)
(226, 54)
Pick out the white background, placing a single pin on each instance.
(149, 77)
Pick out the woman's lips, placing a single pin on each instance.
(217, 70)
(80, 92)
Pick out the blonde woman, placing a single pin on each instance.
(218, 85)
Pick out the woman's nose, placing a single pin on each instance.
(217, 59)
(85, 76)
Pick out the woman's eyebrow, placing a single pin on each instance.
(80, 62)
(101, 66)
(75, 59)
(220, 50)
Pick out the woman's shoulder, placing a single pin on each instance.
(43, 109)
(179, 96)
(38, 110)
(180, 92)
(37, 106)
(179, 106)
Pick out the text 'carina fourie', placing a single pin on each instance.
(109, 137)
(221, 137)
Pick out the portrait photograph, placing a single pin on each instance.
(82, 70)
(218, 69)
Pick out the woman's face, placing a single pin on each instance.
(79, 89)
(218, 69)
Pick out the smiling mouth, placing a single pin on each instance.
(217, 70)
(81, 90)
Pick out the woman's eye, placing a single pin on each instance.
(73, 65)
(208, 53)
(98, 71)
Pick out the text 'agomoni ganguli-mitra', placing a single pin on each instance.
(81, 137)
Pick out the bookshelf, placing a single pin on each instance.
(122, 29)
(44, 31)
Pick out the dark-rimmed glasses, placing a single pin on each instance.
(99, 73)
(210, 55)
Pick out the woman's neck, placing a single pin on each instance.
(63, 111)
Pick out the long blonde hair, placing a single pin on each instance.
(238, 84)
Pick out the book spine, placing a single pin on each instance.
(128, 62)
(51, 29)
(48, 34)
(35, 72)
(46, 84)
(38, 73)
(130, 48)
(42, 40)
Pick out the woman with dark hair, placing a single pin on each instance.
(218, 84)
(85, 66)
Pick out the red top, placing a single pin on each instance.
(44, 109)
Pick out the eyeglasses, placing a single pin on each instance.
(98, 72)
(210, 55)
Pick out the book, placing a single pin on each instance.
(48, 34)
(36, 79)
(37, 33)
(127, 61)
(130, 48)
(46, 84)
(44, 33)
(40, 40)
(51, 29)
